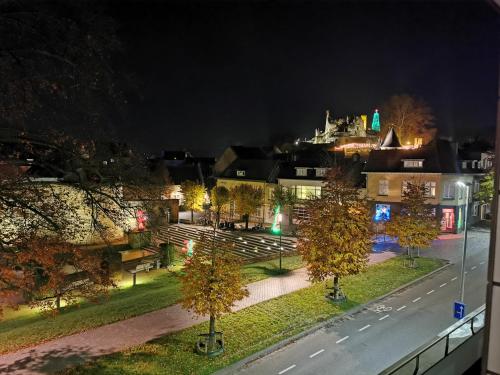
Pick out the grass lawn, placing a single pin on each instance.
(154, 290)
(255, 327)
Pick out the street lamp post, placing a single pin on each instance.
(464, 253)
(280, 218)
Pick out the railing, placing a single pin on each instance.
(424, 358)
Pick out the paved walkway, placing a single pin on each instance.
(57, 354)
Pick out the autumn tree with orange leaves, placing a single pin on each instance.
(334, 240)
(212, 284)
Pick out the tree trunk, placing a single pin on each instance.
(247, 217)
(192, 217)
(336, 288)
(211, 335)
(58, 302)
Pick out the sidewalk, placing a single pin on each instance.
(57, 354)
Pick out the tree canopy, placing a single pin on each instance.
(334, 240)
(416, 226)
(410, 117)
(194, 196)
(247, 200)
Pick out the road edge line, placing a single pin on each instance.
(233, 368)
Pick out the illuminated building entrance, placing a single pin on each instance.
(448, 220)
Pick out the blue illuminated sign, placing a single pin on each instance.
(382, 212)
(458, 310)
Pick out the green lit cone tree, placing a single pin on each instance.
(211, 285)
(334, 240)
(416, 226)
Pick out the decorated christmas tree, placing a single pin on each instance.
(376, 121)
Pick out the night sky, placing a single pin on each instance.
(211, 74)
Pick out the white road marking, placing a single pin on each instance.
(443, 284)
(315, 354)
(401, 308)
(454, 278)
(430, 291)
(417, 299)
(342, 339)
(466, 272)
(365, 327)
(473, 268)
(481, 263)
(385, 316)
(287, 369)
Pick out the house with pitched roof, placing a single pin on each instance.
(436, 165)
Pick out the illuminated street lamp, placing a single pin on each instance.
(462, 275)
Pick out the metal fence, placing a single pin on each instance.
(424, 358)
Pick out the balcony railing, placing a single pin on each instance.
(424, 358)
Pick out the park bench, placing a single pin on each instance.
(144, 266)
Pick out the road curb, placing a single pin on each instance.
(232, 369)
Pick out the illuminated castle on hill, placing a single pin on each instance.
(349, 134)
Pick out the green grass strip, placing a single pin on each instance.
(155, 290)
(256, 327)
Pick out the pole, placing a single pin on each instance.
(280, 245)
(464, 254)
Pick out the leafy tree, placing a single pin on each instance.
(219, 198)
(416, 226)
(212, 283)
(194, 196)
(286, 199)
(409, 116)
(62, 272)
(247, 199)
(334, 240)
(486, 188)
(58, 61)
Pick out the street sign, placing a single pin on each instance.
(459, 310)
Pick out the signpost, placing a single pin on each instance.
(459, 310)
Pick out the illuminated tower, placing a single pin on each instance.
(376, 121)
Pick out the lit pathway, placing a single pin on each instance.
(70, 350)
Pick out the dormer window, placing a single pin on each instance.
(240, 173)
(320, 172)
(413, 163)
(301, 171)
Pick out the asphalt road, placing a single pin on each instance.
(375, 338)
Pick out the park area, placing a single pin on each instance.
(259, 326)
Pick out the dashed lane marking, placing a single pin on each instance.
(454, 278)
(431, 291)
(365, 327)
(401, 308)
(342, 339)
(417, 299)
(443, 284)
(385, 316)
(481, 263)
(315, 354)
(287, 369)
(473, 268)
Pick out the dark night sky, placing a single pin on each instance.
(240, 72)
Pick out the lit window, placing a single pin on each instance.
(430, 189)
(404, 187)
(449, 190)
(240, 173)
(320, 172)
(413, 163)
(476, 186)
(301, 171)
(464, 164)
(460, 192)
(307, 192)
(383, 187)
(475, 209)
